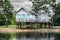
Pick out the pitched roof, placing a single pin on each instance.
(28, 11)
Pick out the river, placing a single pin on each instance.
(30, 36)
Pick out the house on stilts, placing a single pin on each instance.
(28, 19)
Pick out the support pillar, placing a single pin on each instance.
(43, 25)
(47, 25)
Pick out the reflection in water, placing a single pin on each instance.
(35, 36)
(5, 36)
(30, 36)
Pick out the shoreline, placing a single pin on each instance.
(13, 30)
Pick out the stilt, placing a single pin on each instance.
(20, 26)
(35, 24)
(47, 25)
(27, 24)
(39, 26)
(43, 25)
(52, 23)
(30, 25)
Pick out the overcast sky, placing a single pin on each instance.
(23, 3)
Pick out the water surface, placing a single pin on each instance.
(30, 36)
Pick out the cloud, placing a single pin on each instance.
(23, 3)
(57, 1)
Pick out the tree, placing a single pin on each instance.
(44, 5)
(38, 3)
(7, 11)
(57, 15)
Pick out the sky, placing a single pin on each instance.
(17, 4)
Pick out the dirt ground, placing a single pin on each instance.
(11, 30)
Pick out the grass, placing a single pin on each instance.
(9, 26)
(58, 27)
(14, 26)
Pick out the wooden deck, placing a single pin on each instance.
(10, 30)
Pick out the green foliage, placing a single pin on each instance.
(38, 3)
(9, 26)
(56, 8)
(13, 20)
(57, 15)
(2, 19)
(7, 12)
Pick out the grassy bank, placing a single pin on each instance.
(12, 29)
(9, 26)
(14, 26)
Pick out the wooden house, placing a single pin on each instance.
(24, 17)
(43, 18)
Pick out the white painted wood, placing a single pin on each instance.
(24, 16)
(43, 18)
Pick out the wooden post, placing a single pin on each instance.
(20, 25)
(35, 24)
(39, 26)
(27, 24)
(52, 23)
(43, 25)
(30, 25)
(47, 25)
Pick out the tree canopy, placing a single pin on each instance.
(38, 3)
(7, 11)
(57, 15)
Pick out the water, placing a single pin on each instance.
(30, 36)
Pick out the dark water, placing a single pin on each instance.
(30, 36)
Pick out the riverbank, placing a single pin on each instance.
(13, 30)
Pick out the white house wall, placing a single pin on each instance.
(24, 16)
(43, 18)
